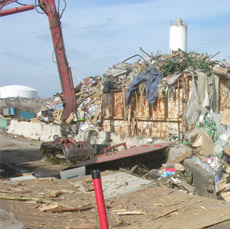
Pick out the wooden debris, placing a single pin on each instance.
(220, 71)
(58, 208)
(46, 179)
(97, 113)
(70, 118)
(25, 198)
(54, 194)
(82, 226)
(183, 184)
(204, 208)
(51, 207)
(167, 205)
(124, 212)
(118, 219)
(182, 157)
(57, 115)
(168, 212)
(88, 187)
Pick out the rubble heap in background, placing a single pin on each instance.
(210, 135)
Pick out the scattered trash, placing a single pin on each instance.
(167, 174)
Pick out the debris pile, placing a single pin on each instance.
(198, 83)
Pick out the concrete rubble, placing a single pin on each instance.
(199, 160)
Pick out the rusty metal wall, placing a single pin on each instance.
(162, 120)
(224, 95)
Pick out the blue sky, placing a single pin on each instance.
(101, 33)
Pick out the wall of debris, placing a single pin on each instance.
(157, 96)
(179, 102)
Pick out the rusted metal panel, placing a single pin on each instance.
(224, 95)
(150, 112)
(118, 105)
(175, 107)
(157, 129)
(107, 108)
(142, 118)
(158, 111)
(160, 121)
(142, 108)
(142, 128)
(117, 126)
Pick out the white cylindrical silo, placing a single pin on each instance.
(178, 36)
(18, 91)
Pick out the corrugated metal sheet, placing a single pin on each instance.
(161, 120)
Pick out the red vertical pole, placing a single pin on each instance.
(100, 199)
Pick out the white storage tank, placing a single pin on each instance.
(178, 36)
(18, 91)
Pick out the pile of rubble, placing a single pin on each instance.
(160, 74)
(208, 130)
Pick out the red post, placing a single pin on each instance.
(100, 199)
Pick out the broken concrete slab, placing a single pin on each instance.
(26, 129)
(122, 183)
(203, 181)
(8, 221)
(72, 173)
(21, 178)
(33, 130)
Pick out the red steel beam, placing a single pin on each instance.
(16, 10)
(115, 146)
(49, 8)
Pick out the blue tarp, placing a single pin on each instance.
(26, 115)
(152, 78)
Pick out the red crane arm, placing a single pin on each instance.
(6, 2)
(16, 10)
(49, 8)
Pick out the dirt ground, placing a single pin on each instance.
(48, 202)
(20, 155)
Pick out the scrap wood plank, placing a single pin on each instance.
(54, 193)
(216, 223)
(58, 208)
(25, 198)
(82, 226)
(118, 219)
(132, 213)
(182, 157)
(167, 205)
(124, 212)
(168, 212)
(57, 115)
(98, 111)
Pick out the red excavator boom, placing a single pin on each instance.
(49, 8)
